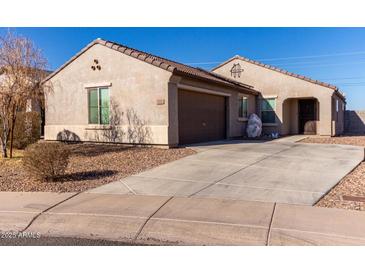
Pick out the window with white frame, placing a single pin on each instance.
(242, 107)
(268, 106)
(99, 105)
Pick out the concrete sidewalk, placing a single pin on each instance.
(178, 220)
(18, 209)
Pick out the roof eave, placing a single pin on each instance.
(114, 47)
(316, 82)
(70, 60)
(242, 88)
(225, 62)
(340, 94)
(285, 72)
(162, 65)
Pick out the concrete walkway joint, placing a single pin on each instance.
(149, 218)
(47, 209)
(270, 226)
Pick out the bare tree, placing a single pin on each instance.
(22, 68)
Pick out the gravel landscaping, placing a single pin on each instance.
(90, 165)
(340, 140)
(349, 193)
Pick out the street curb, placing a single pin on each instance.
(160, 220)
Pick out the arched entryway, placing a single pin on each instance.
(300, 116)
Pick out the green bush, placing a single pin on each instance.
(46, 161)
(27, 129)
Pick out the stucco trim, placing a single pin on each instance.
(97, 85)
(270, 96)
(202, 90)
(242, 95)
(98, 127)
(158, 133)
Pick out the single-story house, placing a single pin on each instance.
(289, 103)
(112, 93)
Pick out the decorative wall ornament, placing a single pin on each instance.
(236, 71)
(96, 65)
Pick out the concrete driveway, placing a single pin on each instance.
(277, 171)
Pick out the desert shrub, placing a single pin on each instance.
(27, 129)
(46, 161)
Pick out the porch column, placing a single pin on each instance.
(280, 115)
(173, 120)
(325, 117)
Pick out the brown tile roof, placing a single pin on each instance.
(166, 64)
(284, 72)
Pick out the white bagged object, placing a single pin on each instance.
(254, 126)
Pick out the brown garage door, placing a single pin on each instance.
(202, 117)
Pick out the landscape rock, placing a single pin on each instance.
(254, 126)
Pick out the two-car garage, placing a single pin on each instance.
(202, 117)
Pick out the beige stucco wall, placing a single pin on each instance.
(275, 84)
(290, 114)
(147, 92)
(135, 88)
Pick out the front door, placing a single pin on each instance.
(307, 116)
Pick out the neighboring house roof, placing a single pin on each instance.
(46, 72)
(284, 72)
(163, 63)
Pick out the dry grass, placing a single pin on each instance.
(90, 165)
(351, 185)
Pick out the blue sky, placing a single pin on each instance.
(334, 55)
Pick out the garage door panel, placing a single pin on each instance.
(202, 117)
